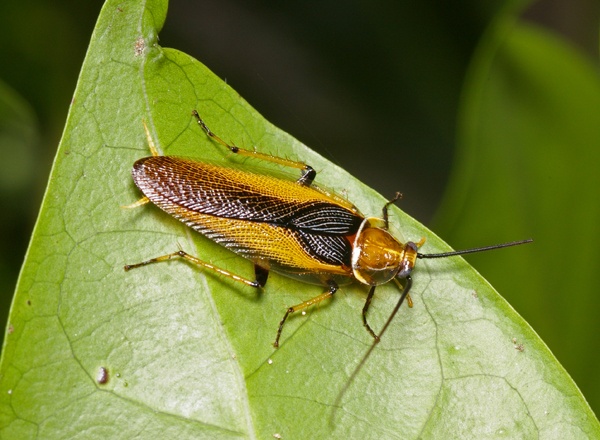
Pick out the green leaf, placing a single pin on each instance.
(528, 167)
(188, 354)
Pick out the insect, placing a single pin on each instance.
(291, 227)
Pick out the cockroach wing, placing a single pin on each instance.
(294, 228)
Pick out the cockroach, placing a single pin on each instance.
(290, 227)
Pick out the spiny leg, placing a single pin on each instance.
(364, 313)
(387, 205)
(368, 304)
(409, 300)
(150, 141)
(308, 173)
(333, 287)
(261, 274)
(259, 282)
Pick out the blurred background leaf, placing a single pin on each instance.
(527, 165)
(19, 168)
(348, 79)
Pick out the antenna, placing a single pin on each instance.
(472, 251)
(407, 287)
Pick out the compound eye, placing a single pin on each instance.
(408, 260)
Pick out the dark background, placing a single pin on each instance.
(373, 86)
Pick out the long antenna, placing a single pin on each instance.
(337, 403)
(472, 251)
(363, 361)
